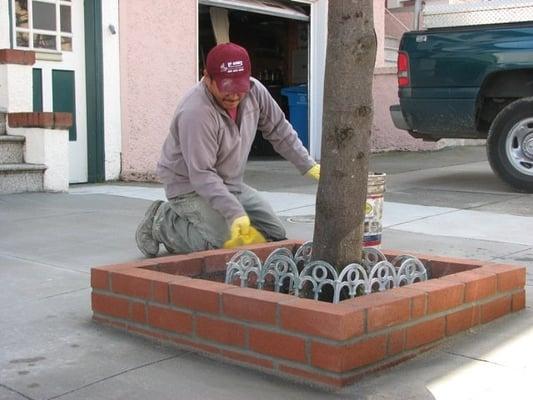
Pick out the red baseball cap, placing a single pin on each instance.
(229, 65)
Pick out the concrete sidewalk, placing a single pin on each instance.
(445, 202)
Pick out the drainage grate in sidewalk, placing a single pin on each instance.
(302, 219)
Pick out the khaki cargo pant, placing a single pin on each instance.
(187, 223)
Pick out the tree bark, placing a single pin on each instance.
(346, 129)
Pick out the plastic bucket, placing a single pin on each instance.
(374, 210)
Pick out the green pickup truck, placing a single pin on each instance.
(472, 82)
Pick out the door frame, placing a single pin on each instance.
(318, 23)
(94, 75)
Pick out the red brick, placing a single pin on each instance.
(220, 331)
(519, 300)
(185, 265)
(62, 120)
(160, 287)
(147, 332)
(138, 312)
(495, 309)
(424, 333)
(277, 345)
(296, 244)
(216, 260)
(509, 276)
(441, 266)
(110, 305)
(252, 304)
(200, 347)
(105, 321)
(21, 57)
(143, 264)
(365, 353)
(461, 320)
(32, 119)
(442, 295)
(247, 359)
(347, 357)
(133, 282)
(198, 294)
(312, 376)
(477, 315)
(383, 309)
(478, 284)
(170, 320)
(396, 342)
(418, 300)
(99, 279)
(334, 321)
(16, 120)
(45, 120)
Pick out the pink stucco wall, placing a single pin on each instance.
(158, 58)
(397, 22)
(379, 27)
(158, 64)
(385, 136)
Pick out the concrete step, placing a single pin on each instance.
(19, 178)
(11, 149)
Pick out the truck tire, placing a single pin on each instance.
(510, 144)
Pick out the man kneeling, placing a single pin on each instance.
(203, 159)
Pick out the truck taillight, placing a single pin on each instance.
(403, 69)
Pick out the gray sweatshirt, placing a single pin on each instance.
(206, 151)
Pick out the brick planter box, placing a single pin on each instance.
(169, 300)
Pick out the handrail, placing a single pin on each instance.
(397, 20)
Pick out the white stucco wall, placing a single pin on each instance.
(15, 88)
(4, 24)
(48, 147)
(112, 110)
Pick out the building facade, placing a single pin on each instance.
(120, 67)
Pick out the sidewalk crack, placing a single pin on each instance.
(62, 293)
(44, 264)
(114, 376)
(423, 218)
(15, 391)
(473, 358)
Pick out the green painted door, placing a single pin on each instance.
(37, 90)
(64, 96)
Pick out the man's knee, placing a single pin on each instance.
(275, 232)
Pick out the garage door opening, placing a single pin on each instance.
(276, 35)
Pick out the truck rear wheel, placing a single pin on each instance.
(510, 144)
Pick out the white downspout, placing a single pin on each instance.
(416, 19)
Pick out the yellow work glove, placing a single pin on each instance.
(314, 172)
(243, 233)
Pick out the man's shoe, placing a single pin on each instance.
(143, 236)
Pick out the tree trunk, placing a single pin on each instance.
(346, 128)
